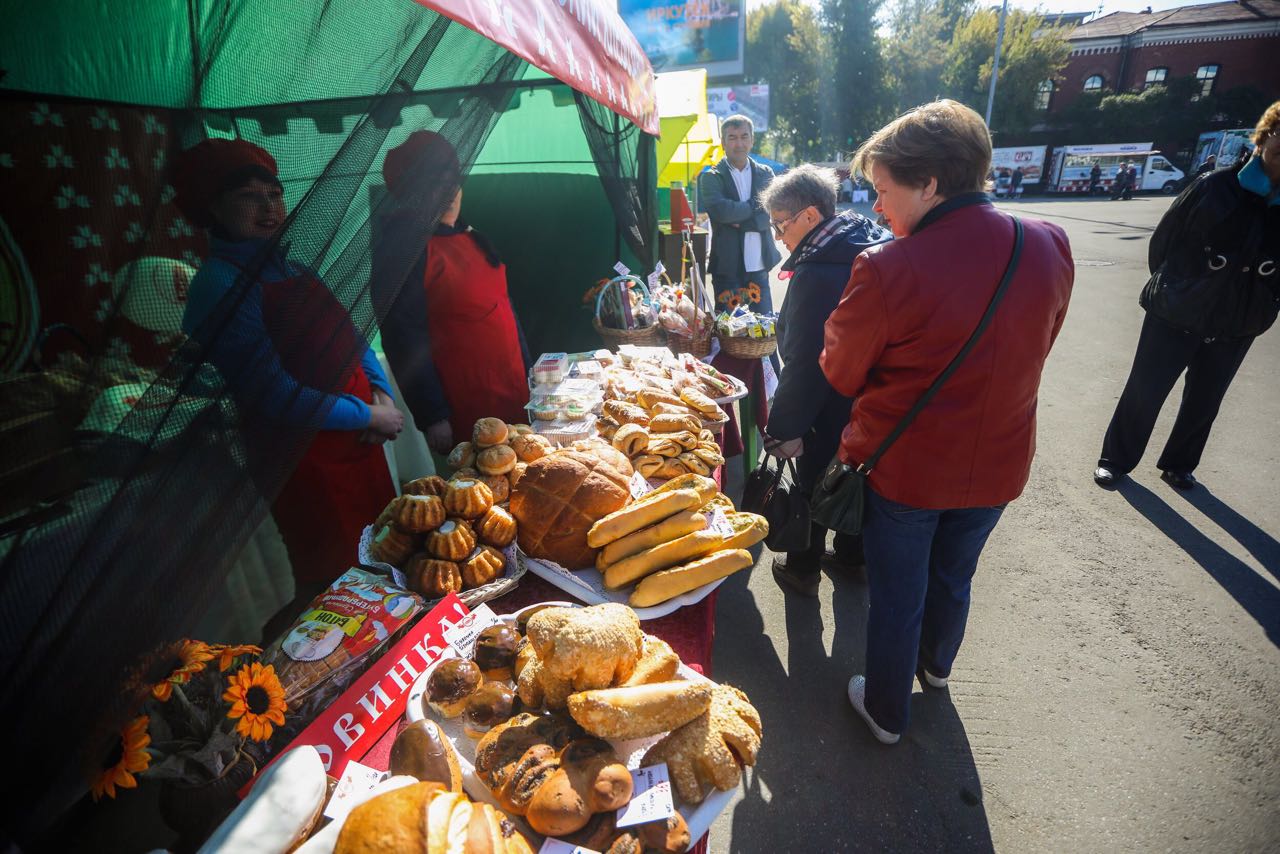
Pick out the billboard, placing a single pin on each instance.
(691, 34)
(751, 101)
(1029, 157)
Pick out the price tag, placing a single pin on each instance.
(555, 846)
(719, 524)
(621, 268)
(652, 798)
(655, 278)
(462, 634)
(356, 780)
(770, 377)
(639, 486)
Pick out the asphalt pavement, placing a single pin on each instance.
(1119, 684)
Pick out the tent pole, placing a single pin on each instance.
(617, 161)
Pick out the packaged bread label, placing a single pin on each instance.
(651, 797)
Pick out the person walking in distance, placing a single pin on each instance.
(1121, 187)
(1095, 179)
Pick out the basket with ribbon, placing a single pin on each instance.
(625, 313)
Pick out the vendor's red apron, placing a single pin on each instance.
(341, 484)
(474, 341)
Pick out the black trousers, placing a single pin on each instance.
(809, 467)
(1163, 354)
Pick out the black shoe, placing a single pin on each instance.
(1183, 480)
(837, 564)
(1105, 477)
(803, 581)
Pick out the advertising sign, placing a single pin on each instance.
(749, 101)
(689, 34)
(1030, 158)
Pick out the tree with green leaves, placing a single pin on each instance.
(915, 53)
(786, 48)
(855, 94)
(1031, 54)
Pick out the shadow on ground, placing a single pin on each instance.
(1255, 594)
(822, 782)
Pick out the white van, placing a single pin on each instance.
(1073, 165)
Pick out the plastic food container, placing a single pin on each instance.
(550, 368)
(564, 431)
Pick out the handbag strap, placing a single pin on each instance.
(866, 467)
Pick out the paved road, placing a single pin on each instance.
(1119, 686)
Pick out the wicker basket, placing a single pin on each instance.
(641, 336)
(748, 348)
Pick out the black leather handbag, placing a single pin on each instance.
(767, 493)
(839, 497)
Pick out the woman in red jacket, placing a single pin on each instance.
(909, 307)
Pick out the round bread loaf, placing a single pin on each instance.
(498, 459)
(488, 432)
(557, 501)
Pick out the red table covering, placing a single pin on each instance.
(751, 373)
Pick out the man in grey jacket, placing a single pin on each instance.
(742, 246)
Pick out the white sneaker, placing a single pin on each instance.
(934, 681)
(858, 699)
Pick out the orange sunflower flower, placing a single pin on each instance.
(129, 757)
(191, 657)
(753, 292)
(228, 653)
(733, 302)
(257, 699)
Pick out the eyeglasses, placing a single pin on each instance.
(780, 225)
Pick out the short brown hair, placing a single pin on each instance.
(1268, 124)
(944, 140)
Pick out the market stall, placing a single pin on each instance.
(127, 533)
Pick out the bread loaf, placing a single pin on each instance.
(628, 520)
(658, 663)
(675, 424)
(424, 819)
(671, 528)
(557, 501)
(631, 439)
(422, 751)
(669, 583)
(639, 711)
(626, 413)
(589, 779)
(749, 528)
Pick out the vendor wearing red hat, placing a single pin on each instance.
(291, 356)
(450, 335)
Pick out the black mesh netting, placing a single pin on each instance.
(136, 460)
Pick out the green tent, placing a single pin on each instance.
(113, 540)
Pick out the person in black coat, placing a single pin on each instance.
(1214, 288)
(808, 415)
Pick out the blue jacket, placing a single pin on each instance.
(718, 197)
(805, 405)
(243, 351)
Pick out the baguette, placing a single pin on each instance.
(697, 400)
(669, 583)
(670, 528)
(705, 487)
(633, 517)
(748, 528)
(639, 711)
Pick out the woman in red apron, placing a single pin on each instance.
(451, 335)
(293, 359)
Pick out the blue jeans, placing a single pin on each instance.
(737, 286)
(919, 567)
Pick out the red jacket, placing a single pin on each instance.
(908, 308)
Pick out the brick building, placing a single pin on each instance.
(1224, 45)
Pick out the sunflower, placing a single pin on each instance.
(257, 699)
(189, 658)
(724, 296)
(228, 653)
(733, 302)
(753, 292)
(127, 758)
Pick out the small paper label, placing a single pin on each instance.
(622, 269)
(651, 800)
(355, 780)
(655, 278)
(639, 486)
(719, 523)
(462, 634)
(770, 377)
(555, 846)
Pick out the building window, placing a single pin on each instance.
(1155, 77)
(1093, 83)
(1206, 76)
(1044, 94)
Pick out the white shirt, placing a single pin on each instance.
(751, 256)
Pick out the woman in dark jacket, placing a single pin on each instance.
(1214, 288)
(808, 414)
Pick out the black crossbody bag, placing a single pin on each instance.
(839, 497)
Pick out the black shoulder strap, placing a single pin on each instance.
(866, 467)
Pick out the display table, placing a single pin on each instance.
(689, 631)
(744, 438)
